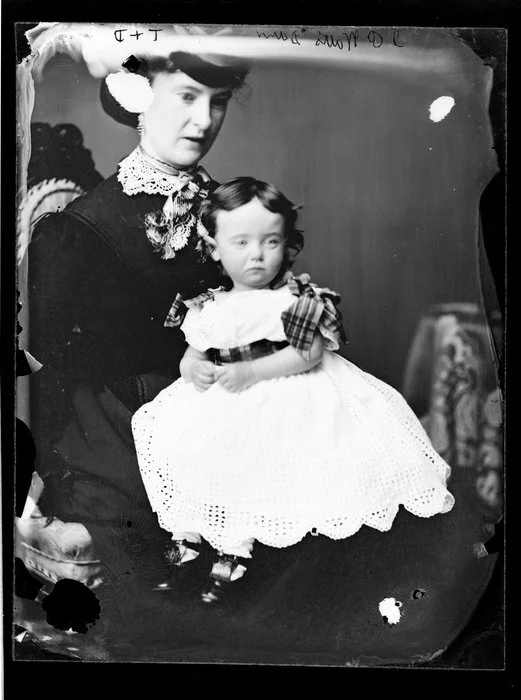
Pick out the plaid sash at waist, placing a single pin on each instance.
(242, 353)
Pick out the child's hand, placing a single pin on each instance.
(235, 376)
(202, 374)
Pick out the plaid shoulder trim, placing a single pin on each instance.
(314, 311)
(179, 308)
(301, 285)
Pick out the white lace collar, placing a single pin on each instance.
(137, 175)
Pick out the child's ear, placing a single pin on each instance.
(215, 254)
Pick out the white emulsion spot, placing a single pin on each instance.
(390, 609)
(440, 108)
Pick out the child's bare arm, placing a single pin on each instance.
(196, 369)
(288, 361)
(240, 375)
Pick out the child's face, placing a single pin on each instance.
(249, 242)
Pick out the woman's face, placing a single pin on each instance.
(183, 119)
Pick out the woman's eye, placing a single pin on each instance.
(220, 104)
(187, 97)
(221, 101)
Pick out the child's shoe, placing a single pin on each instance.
(225, 570)
(178, 554)
(181, 552)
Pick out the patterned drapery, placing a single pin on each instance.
(452, 383)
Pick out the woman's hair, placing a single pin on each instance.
(231, 75)
(241, 190)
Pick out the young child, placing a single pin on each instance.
(269, 435)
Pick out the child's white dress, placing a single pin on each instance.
(328, 450)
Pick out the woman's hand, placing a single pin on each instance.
(236, 376)
(202, 374)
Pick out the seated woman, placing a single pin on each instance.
(101, 278)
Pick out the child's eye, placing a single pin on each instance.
(273, 242)
(240, 242)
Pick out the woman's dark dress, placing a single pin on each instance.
(98, 300)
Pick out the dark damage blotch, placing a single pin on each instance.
(71, 605)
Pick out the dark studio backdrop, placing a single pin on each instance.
(390, 198)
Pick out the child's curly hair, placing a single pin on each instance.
(240, 191)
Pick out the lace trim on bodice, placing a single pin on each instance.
(136, 175)
(170, 229)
